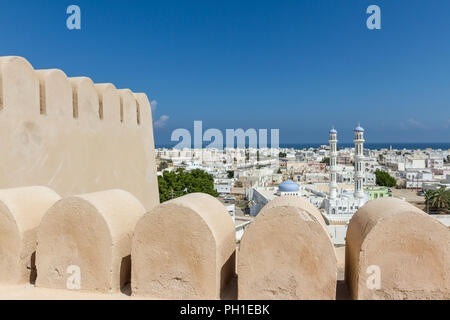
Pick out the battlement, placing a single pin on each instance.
(73, 135)
(105, 243)
(51, 93)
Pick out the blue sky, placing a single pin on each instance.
(297, 66)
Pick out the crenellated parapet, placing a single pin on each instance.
(104, 242)
(51, 92)
(73, 135)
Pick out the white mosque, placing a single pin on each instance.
(346, 202)
(338, 205)
(288, 188)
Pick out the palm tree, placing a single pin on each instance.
(438, 200)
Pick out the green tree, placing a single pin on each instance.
(326, 160)
(438, 200)
(230, 174)
(385, 179)
(179, 183)
(282, 155)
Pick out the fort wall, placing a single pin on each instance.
(72, 135)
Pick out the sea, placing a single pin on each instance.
(370, 146)
(376, 146)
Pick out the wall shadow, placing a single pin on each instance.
(32, 268)
(125, 275)
(228, 279)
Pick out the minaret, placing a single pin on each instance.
(358, 160)
(333, 169)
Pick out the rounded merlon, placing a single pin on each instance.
(410, 250)
(184, 249)
(92, 232)
(286, 253)
(21, 211)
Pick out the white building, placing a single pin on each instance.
(346, 203)
(261, 196)
(346, 174)
(288, 188)
(417, 178)
(222, 188)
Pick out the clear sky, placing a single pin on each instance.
(298, 66)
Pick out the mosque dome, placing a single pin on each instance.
(288, 186)
(333, 131)
(359, 129)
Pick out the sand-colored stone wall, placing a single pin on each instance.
(21, 211)
(91, 233)
(287, 253)
(396, 251)
(184, 249)
(104, 242)
(72, 135)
